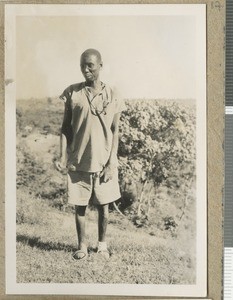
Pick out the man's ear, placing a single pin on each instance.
(101, 65)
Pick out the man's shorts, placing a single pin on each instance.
(82, 186)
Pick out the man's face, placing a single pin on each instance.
(90, 67)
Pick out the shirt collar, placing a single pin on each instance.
(103, 86)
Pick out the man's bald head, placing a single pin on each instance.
(91, 64)
(94, 52)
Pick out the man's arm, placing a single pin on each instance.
(115, 140)
(63, 146)
(111, 164)
(65, 136)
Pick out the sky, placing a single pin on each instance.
(143, 56)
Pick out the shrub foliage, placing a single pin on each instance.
(157, 147)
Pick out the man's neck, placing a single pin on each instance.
(95, 85)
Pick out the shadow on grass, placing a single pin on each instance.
(47, 246)
(92, 249)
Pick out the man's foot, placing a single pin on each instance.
(80, 254)
(104, 253)
(103, 250)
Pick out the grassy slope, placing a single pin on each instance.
(46, 239)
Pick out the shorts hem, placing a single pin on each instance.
(97, 202)
(84, 203)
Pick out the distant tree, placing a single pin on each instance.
(49, 100)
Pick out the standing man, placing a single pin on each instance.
(89, 143)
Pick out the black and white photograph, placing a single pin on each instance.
(106, 150)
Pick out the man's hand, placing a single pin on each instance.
(107, 173)
(61, 165)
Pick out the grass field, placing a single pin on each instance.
(46, 239)
(46, 236)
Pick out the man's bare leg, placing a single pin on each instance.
(102, 226)
(102, 221)
(80, 228)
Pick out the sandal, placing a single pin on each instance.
(79, 254)
(104, 253)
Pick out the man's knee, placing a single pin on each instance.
(80, 210)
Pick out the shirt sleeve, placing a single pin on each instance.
(67, 93)
(66, 128)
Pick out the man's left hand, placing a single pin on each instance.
(107, 173)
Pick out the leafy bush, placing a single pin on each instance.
(39, 177)
(157, 146)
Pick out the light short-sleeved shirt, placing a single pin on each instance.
(90, 119)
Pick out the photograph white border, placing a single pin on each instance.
(12, 287)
